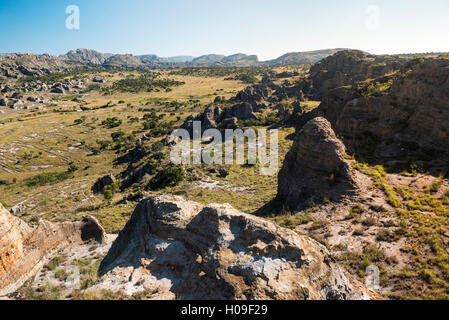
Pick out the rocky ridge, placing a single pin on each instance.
(398, 117)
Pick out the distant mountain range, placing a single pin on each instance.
(17, 65)
(92, 57)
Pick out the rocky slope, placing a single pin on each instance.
(86, 56)
(315, 167)
(347, 67)
(238, 59)
(301, 57)
(398, 117)
(25, 250)
(19, 65)
(182, 249)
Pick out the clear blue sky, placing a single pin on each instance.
(268, 28)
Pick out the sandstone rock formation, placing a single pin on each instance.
(214, 117)
(315, 167)
(349, 66)
(409, 111)
(241, 111)
(208, 119)
(24, 250)
(182, 249)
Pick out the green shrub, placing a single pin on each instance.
(108, 194)
(169, 176)
(356, 211)
(117, 135)
(112, 123)
(387, 236)
(147, 82)
(51, 177)
(292, 221)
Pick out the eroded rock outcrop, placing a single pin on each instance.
(408, 112)
(315, 167)
(181, 249)
(348, 67)
(25, 250)
(215, 117)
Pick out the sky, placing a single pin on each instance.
(267, 28)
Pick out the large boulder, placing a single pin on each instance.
(241, 111)
(315, 167)
(253, 94)
(208, 119)
(185, 250)
(25, 250)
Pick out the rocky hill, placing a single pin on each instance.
(86, 56)
(398, 114)
(347, 67)
(301, 57)
(176, 59)
(123, 61)
(19, 65)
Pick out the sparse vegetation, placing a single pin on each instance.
(147, 82)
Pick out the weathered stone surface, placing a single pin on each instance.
(413, 114)
(24, 250)
(253, 94)
(230, 123)
(241, 111)
(17, 65)
(92, 229)
(216, 252)
(208, 119)
(349, 66)
(315, 167)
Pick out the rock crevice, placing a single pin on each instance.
(216, 252)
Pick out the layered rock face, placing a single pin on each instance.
(24, 250)
(315, 167)
(411, 116)
(182, 249)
